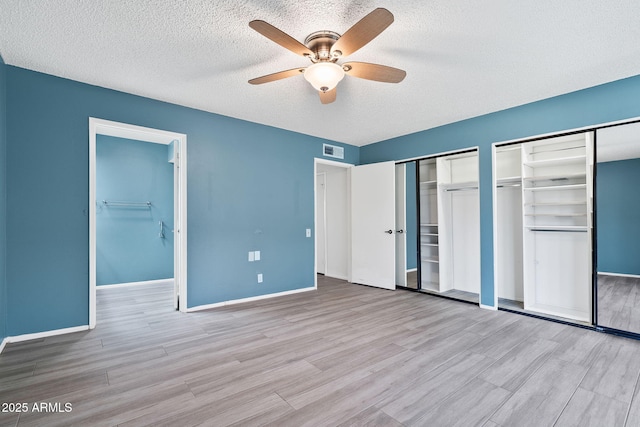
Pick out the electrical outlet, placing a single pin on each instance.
(251, 256)
(259, 277)
(308, 232)
(256, 255)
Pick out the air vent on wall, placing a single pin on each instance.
(333, 151)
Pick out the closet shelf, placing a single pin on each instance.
(557, 187)
(434, 182)
(428, 225)
(564, 177)
(565, 215)
(429, 234)
(558, 161)
(434, 245)
(432, 260)
(509, 180)
(460, 186)
(563, 203)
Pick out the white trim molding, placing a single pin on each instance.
(143, 283)
(488, 307)
(243, 300)
(39, 335)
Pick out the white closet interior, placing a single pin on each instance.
(547, 226)
(450, 225)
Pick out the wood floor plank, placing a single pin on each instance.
(542, 398)
(589, 409)
(615, 371)
(471, 405)
(513, 369)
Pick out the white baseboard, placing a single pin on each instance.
(144, 283)
(635, 276)
(489, 307)
(242, 300)
(45, 334)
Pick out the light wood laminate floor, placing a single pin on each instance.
(344, 355)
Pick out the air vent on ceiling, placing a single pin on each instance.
(333, 151)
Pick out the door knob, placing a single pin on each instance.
(389, 231)
(400, 231)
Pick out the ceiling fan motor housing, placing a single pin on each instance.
(320, 43)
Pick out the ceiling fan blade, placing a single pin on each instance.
(363, 31)
(280, 37)
(379, 73)
(277, 76)
(329, 96)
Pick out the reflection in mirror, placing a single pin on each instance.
(618, 227)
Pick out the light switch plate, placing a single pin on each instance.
(308, 232)
(251, 256)
(259, 277)
(256, 255)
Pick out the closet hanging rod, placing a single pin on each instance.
(461, 189)
(509, 185)
(560, 230)
(120, 203)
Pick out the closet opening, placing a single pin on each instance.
(446, 243)
(150, 218)
(543, 212)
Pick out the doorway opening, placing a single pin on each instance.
(332, 228)
(178, 142)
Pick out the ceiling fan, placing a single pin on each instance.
(325, 48)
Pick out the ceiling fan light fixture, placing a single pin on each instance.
(324, 76)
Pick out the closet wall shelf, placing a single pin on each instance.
(509, 180)
(429, 234)
(563, 203)
(428, 225)
(559, 161)
(432, 260)
(557, 187)
(567, 215)
(460, 186)
(564, 177)
(434, 245)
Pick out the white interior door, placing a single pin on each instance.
(373, 225)
(401, 236)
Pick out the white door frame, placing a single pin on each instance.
(323, 223)
(123, 130)
(347, 166)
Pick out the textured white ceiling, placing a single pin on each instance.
(463, 57)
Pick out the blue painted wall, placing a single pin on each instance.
(3, 202)
(411, 217)
(128, 243)
(600, 104)
(618, 216)
(250, 187)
